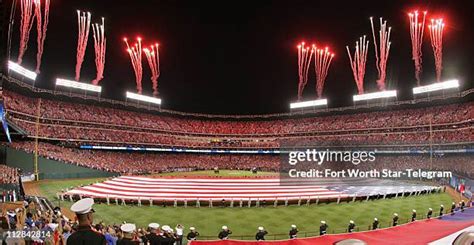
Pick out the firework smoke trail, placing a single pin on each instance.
(358, 62)
(322, 61)
(304, 60)
(99, 48)
(416, 33)
(135, 53)
(25, 26)
(436, 35)
(84, 23)
(153, 57)
(41, 29)
(384, 48)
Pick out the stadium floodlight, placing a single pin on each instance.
(376, 95)
(436, 86)
(144, 98)
(78, 85)
(308, 103)
(21, 70)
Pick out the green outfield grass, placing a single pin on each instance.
(244, 221)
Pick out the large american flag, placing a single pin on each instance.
(192, 189)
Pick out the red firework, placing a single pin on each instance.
(383, 50)
(436, 35)
(99, 48)
(304, 60)
(153, 57)
(358, 62)
(25, 27)
(417, 27)
(41, 27)
(84, 22)
(135, 53)
(322, 61)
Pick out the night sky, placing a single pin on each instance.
(238, 57)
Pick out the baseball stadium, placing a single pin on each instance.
(188, 122)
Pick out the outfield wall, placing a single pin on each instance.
(48, 168)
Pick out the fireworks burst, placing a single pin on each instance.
(41, 29)
(153, 57)
(135, 53)
(322, 61)
(304, 60)
(384, 49)
(417, 28)
(436, 35)
(99, 47)
(84, 23)
(358, 62)
(25, 27)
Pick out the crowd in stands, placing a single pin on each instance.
(8, 175)
(141, 163)
(94, 135)
(76, 112)
(102, 125)
(136, 163)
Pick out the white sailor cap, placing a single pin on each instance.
(454, 203)
(83, 206)
(166, 228)
(293, 226)
(376, 219)
(351, 221)
(414, 211)
(430, 209)
(441, 205)
(128, 228)
(395, 214)
(323, 222)
(260, 228)
(192, 228)
(154, 225)
(224, 227)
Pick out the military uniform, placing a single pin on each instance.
(430, 213)
(453, 208)
(166, 239)
(351, 227)
(126, 241)
(192, 235)
(260, 236)
(224, 234)
(293, 232)
(127, 230)
(413, 216)
(395, 220)
(323, 229)
(441, 210)
(86, 236)
(463, 205)
(152, 237)
(375, 225)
